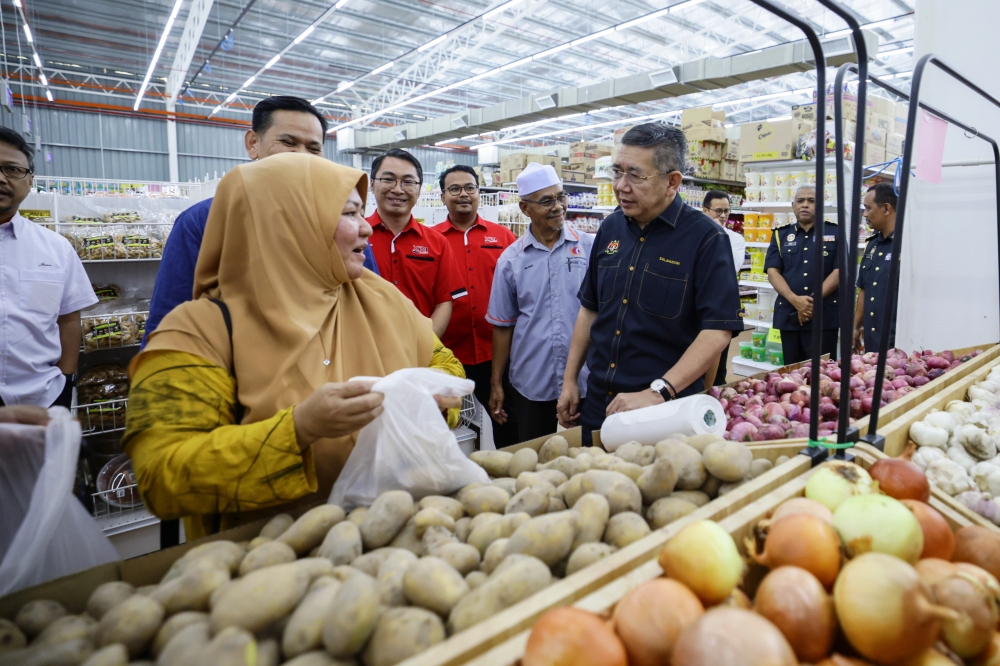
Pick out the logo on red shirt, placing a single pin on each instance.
(491, 239)
(576, 251)
(420, 249)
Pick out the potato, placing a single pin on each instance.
(230, 647)
(524, 460)
(314, 567)
(304, 631)
(427, 517)
(646, 456)
(185, 645)
(402, 633)
(460, 493)
(711, 486)
(266, 555)
(476, 578)
(67, 628)
(34, 616)
(696, 497)
(781, 460)
(407, 539)
(573, 490)
(587, 554)
(727, 461)
(342, 543)
(462, 528)
(553, 447)
(494, 462)
(388, 513)
(547, 537)
(309, 530)
(318, 658)
(604, 462)
(390, 577)
(343, 572)
(621, 492)
(268, 653)
(261, 598)
(534, 480)
(11, 636)
(531, 501)
(276, 526)
(433, 584)
(488, 499)
(357, 515)
(257, 542)
(555, 504)
(516, 579)
(482, 536)
(628, 451)
(667, 510)
(223, 554)
(507, 484)
(134, 623)
(69, 652)
(351, 618)
(559, 470)
(657, 481)
(173, 626)
(107, 596)
(699, 442)
(112, 655)
(686, 460)
(758, 467)
(192, 590)
(446, 505)
(582, 463)
(145, 589)
(460, 556)
(625, 528)
(217, 594)
(483, 518)
(494, 555)
(593, 512)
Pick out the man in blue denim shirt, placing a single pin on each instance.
(280, 125)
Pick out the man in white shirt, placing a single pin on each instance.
(716, 206)
(43, 287)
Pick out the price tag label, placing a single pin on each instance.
(774, 335)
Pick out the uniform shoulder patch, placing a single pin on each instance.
(612, 247)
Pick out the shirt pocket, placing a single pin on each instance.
(662, 295)
(607, 273)
(41, 291)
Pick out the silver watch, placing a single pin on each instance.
(660, 386)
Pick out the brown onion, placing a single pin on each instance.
(991, 656)
(840, 660)
(802, 505)
(650, 618)
(971, 633)
(933, 570)
(733, 637)
(573, 637)
(929, 657)
(801, 540)
(980, 546)
(704, 557)
(939, 540)
(885, 610)
(901, 479)
(984, 577)
(738, 599)
(796, 603)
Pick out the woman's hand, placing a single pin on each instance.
(445, 403)
(335, 410)
(25, 414)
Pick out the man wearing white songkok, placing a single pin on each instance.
(534, 304)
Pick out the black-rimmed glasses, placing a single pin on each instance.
(456, 190)
(549, 202)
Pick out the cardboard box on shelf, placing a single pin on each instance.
(894, 144)
(509, 175)
(901, 114)
(731, 149)
(710, 169)
(551, 160)
(882, 121)
(875, 135)
(730, 170)
(588, 150)
(874, 154)
(513, 161)
(620, 132)
(704, 150)
(586, 165)
(883, 105)
(715, 133)
(762, 141)
(574, 177)
(592, 181)
(890, 157)
(703, 115)
(805, 112)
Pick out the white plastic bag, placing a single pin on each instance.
(409, 446)
(45, 532)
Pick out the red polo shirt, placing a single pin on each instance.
(419, 262)
(469, 335)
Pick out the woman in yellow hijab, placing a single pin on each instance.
(240, 401)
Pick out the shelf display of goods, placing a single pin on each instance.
(777, 406)
(835, 573)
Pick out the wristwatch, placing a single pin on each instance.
(660, 386)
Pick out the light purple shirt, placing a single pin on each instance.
(535, 291)
(41, 278)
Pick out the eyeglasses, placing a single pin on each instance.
(15, 172)
(456, 190)
(407, 183)
(720, 211)
(549, 202)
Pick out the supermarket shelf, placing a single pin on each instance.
(712, 181)
(745, 367)
(579, 186)
(591, 211)
(757, 324)
(117, 261)
(118, 523)
(98, 417)
(759, 285)
(764, 245)
(748, 293)
(605, 208)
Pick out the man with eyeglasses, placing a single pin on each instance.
(660, 299)
(43, 287)
(716, 206)
(416, 259)
(533, 305)
(476, 244)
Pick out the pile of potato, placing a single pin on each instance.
(383, 583)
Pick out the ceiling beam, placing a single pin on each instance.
(193, 27)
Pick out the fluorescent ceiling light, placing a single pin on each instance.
(437, 40)
(344, 85)
(27, 33)
(553, 50)
(249, 81)
(593, 36)
(17, 3)
(514, 64)
(305, 33)
(500, 9)
(48, 94)
(231, 98)
(340, 3)
(885, 54)
(45, 81)
(156, 53)
(379, 70)
(272, 61)
(38, 61)
(317, 100)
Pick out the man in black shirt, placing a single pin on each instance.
(660, 300)
(873, 275)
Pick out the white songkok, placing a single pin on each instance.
(536, 177)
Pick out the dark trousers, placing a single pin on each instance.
(535, 418)
(796, 346)
(481, 373)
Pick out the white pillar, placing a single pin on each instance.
(949, 295)
(172, 143)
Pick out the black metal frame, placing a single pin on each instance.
(873, 437)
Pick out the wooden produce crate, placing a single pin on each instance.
(467, 645)
(739, 524)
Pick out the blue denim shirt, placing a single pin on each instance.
(535, 291)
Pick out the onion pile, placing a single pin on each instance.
(870, 583)
(751, 416)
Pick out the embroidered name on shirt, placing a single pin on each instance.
(491, 239)
(420, 249)
(612, 247)
(829, 238)
(670, 261)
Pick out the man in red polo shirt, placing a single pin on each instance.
(416, 259)
(476, 245)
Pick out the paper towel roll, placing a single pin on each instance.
(695, 415)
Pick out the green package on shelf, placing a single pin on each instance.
(759, 354)
(746, 350)
(776, 358)
(759, 339)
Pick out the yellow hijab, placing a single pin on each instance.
(298, 320)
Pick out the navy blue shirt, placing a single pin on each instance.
(175, 279)
(654, 290)
(873, 277)
(790, 252)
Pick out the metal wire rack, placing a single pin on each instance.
(112, 331)
(115, 241)
(102, 416)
